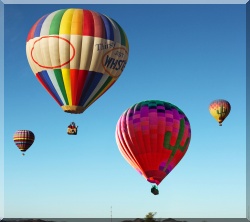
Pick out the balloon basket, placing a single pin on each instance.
(154, 190)
(73, 109)
(72, 131)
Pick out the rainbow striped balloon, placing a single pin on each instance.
(153, 136)
(23, 139)
(77, 55)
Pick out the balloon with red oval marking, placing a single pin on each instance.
(77, 55)
(153, 136)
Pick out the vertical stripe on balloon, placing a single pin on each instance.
(108, 28)
(99, 30)
(104, 86)
(88, 23)
(76, 40)
(86, 52)
(46, 24)
(116, 31)
(67, 84)
(96, 89)
(47, 79)
(66, 22)
(54, 81)
(77, 21)
(82, 76)
(38, 27)
(56, 23)
(110, 81)
(92, 81)
(32, 31)
(44, 80)
(122, 33)
(59, 78)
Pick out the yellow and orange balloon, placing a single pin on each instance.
(220, 109)
(77, 55)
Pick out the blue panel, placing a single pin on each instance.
(92, 81)
(46, 80)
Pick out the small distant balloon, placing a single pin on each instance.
(23, 139)
(220, 109)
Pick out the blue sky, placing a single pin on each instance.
(1, 110)
(187, 55)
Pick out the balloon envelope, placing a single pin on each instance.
(77, 55)
(220, 109)
(23, 139)
(153, 136)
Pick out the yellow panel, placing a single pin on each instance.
(67, 84)
(65, 27)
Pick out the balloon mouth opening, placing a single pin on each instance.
(73, 109)
(155, 176)
(152, 180)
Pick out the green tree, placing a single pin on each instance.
(150, 217)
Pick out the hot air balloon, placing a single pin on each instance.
(153, 136)
(77, 55)
(219, 109)
(23, 139)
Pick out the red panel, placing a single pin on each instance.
(32, 30)
(78, 78)
(99, 26)
(88, 23)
